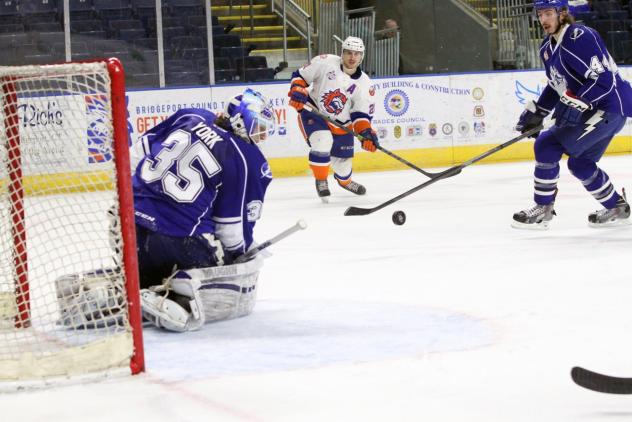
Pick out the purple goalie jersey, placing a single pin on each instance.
(193, 177)
(580, 63)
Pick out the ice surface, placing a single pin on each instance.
(454, 316)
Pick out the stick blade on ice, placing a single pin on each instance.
(601, 383)
(357, 211)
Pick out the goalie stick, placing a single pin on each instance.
(300, 225)
(601, 383)
(452, 171)
(379, 147)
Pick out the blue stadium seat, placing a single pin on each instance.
(9, 12)
(603, 26)
(233, 53)
(38, 59)
(194, 54)
(113, 9)
(11, 28)
(176, 31)
(224, 75)
(146, 43)
(617, 45)
(603, 7)
(50, 37)
(251, 62)
(79, 9)
(259, 75)
(86, 25)
(182, 78)
(617, 14)
(44, 26)
(13, 40)
(36, 11)
(143, 80)
(587, 18)
(102, 46)
(185, 7)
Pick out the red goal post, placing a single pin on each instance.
(69, 296)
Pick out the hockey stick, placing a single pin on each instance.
(300, 225)
(361, 138)
(601, 383)
(452, 171)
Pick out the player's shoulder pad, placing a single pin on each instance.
(577, 35)
(327, 58)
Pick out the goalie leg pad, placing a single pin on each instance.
(226, 292)
(92, 299)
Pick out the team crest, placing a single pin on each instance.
(265, 171)
(577, 32)
(334, 101)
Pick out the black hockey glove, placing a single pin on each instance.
(531, 117)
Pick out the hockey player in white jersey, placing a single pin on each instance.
(338, 88)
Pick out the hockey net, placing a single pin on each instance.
(69, 304)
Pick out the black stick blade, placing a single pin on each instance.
(601, 383)
(358, 211)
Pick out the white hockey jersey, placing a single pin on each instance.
(340, 96)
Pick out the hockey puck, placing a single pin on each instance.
(399, 217)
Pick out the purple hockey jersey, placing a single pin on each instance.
(581, 64)
(193, 177)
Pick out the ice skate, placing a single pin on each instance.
(534, 218)
(354, 187)
(617, 216)
(322, 189)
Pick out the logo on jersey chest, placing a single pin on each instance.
(557, 80)
(334, 101)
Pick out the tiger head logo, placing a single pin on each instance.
(334, 101)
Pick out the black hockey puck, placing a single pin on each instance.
(399, 217)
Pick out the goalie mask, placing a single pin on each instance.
(251, 116)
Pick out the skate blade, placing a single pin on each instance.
(615, 223)
(533, 226)
(325, 199)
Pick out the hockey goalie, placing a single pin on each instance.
(199, 182)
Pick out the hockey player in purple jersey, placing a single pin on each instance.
(199, 183)
(590, 102)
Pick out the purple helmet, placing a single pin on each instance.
(549, 4)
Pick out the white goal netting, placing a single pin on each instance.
(63, 283)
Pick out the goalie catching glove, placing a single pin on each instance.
(531, 117)
(569, 111)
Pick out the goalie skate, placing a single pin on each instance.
(617, 216)
(322, 189)
(353, 187)
(534, 218)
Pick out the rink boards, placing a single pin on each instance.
(436, 120)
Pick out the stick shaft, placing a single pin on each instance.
(300, 225)
(452, 171)
(360, 138)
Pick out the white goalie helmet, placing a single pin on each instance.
(353, 44)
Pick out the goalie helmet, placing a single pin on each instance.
(353, 44)
(251, 116)
(550, 4)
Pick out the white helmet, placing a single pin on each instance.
(353, 44)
